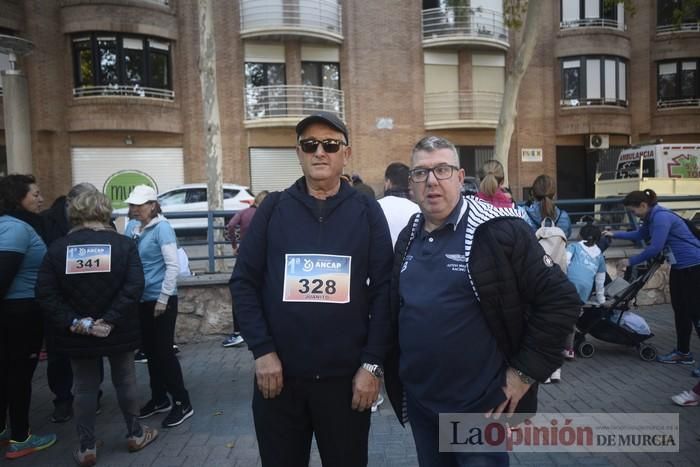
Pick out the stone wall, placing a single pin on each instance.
(204, 309)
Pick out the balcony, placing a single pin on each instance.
(285, 105)
(593, 23)
(676, 103)
(318, 19)
(115, 90)
(455, 109)
(451, 26)
(677, 28)
(569, 103)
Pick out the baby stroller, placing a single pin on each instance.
(607, 322)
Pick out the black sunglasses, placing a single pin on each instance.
(329, 145)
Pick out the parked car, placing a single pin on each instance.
(470, 186)
(193, 198)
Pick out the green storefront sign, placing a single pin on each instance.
(120, 184)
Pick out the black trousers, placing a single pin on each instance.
(686, 304)
(157, 343)
(21, 334)
(285, 425)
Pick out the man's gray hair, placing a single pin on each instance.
(431, 144)
(80, 188)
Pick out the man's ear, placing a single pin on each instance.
(346, 156)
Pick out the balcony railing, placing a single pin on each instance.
(315, 18)
(592, 102)
(672, 103)
(454, 109)
(446, 25)
(116, 90)
(593, 23)
(291, 102)
(683, 27)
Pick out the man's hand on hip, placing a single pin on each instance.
(514, 390)
(365, 390)
(268, 374)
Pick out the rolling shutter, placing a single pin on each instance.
(273, 169)
(96, 165)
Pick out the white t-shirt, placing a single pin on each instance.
(398, 212)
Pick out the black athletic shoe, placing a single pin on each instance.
(151, 408)
(179, 413)
(140, 357)
(63, 412)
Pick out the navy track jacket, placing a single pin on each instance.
(315, 339)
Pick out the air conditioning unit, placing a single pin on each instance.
(598, 142)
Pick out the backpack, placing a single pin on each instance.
(553, 240)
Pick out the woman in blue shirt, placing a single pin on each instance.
(21, 326)
(157, 247)
(671, 236)
(543, 190)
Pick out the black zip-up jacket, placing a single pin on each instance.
(529, 304)
(315, 339)
(112, 296)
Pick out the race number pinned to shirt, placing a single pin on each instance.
(317, 278)
(86, 259)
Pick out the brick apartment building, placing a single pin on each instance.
(113, 85)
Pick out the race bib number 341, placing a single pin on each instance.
(86, 259)
(317, 278)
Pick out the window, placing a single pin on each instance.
(678, 83)
(228, 194)
(121, 65)
(578, 13)
(326, 76)
(677, 14)
(265, 90)
(174, 197)
(593, 80)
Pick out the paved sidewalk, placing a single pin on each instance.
(221, 432)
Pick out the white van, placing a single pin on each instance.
(668, 169)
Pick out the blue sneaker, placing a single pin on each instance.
(33, 443)
(677, 357)
(696, 372)
(233, 340)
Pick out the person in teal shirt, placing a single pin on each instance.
(21, 326)
(157, 247)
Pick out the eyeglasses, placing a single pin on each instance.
(329, 145)
(441, 172)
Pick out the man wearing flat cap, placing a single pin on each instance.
(311, 290)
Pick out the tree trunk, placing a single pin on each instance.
(506, 119)
(212, 123)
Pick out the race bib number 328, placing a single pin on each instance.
(86, 259)
(317, 278)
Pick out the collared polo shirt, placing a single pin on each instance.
(449, 360)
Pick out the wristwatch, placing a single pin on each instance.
(376, 370)
(523, 377)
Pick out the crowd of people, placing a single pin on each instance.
(69, 280)
(458, 304)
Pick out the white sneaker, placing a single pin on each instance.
(686, 399)
(556, 376)
(377, 403)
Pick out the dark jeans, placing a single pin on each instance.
(685, 304)
(87, 385)
(235, 323)
(157, 343)
(285, 425)
(21, 334)
(424, 426)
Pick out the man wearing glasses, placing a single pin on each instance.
(311, 290)
(479, 310)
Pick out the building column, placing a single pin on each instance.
(18, 137)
